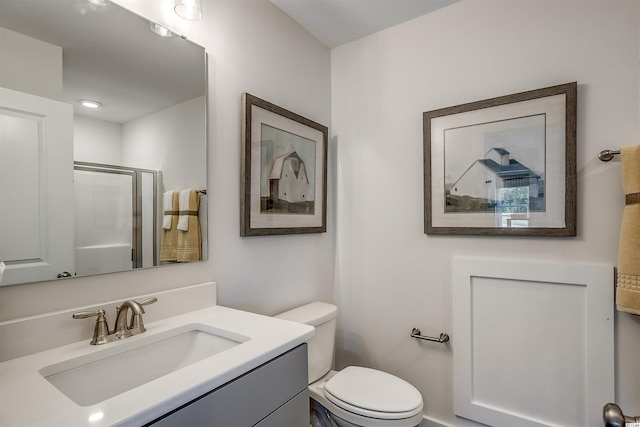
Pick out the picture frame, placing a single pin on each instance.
(283, 171)
(503, 166)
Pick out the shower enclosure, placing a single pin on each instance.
(115, 212)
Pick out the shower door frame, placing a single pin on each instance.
(136, 174)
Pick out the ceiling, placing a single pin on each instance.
(111, 56)
(131, 91)
(336, 22)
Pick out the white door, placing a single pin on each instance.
(36, 187)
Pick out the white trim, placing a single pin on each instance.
(432, 422)
(567, 307)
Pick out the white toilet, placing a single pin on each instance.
(354, 396)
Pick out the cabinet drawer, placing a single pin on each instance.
(249, 398)
(294, 413)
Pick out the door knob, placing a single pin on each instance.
(613, 417)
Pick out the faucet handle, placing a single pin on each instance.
(101, 330)
(148, 301)
(86, 314)
(145, 301)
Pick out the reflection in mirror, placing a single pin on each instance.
(81, 189)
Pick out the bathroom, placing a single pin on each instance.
(375, 262)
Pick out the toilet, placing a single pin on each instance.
(355, 396)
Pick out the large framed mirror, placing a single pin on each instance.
(116, 187)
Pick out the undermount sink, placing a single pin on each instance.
(124, 365)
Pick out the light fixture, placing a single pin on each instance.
(90, 103)
(96, 416)
(160, 30)
(99, 2)
(189, 9)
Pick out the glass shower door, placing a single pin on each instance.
(104, 227)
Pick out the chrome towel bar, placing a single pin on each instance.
(415, 333)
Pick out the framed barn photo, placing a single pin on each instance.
(284, 171)
(503, 166)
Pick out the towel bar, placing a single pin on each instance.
(606, 155)
(415, 333)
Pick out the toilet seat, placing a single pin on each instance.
(374, 394)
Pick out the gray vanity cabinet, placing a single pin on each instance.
(272, 395)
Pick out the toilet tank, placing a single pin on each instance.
(322, 316)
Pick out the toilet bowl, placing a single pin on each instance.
(355, 396)
(359, 396)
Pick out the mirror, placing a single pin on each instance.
(92, 180)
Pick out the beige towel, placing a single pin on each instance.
(169, 245)
(167, 210)
(184, 200)
(628, 284)
(190, 241)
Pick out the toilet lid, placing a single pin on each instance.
(373, 393)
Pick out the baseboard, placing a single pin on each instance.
(431, 422)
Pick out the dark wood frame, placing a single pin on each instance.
(570, 92)
(249, 101)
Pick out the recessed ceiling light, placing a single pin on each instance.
(160, 30)
(90, 104)
(99, 2)
(189, 9)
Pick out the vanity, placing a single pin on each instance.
(272, 395)
(212, 366)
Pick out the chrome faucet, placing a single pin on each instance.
(136, 326)
(122, 329)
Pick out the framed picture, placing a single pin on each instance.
(284, 171)
(503, 166)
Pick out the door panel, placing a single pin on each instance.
(36, 187)
(534, 342)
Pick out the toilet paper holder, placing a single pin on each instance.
(415, 333)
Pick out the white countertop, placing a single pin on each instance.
(28, 399)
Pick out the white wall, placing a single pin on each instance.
(30, 65)
(392, 277)
(166, 141)
(253, 47)
(96, 141)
